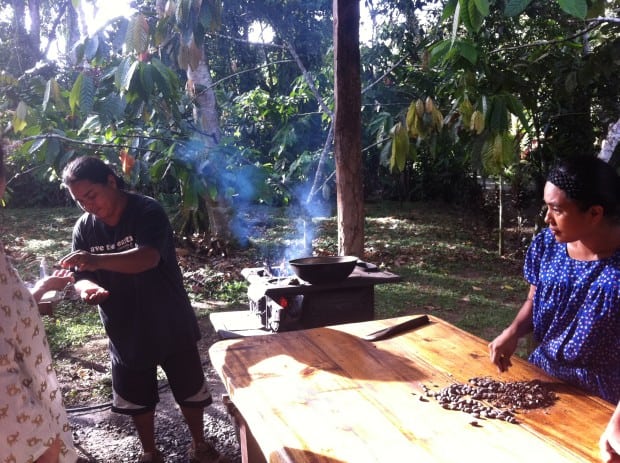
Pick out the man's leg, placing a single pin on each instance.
(190, 389)
(194, 417)
(145, 426)
(135, 394)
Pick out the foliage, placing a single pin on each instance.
(443, 253)
(508, 81)
(484, 73)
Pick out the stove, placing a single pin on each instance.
(287, 303)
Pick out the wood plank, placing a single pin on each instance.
(327, 395)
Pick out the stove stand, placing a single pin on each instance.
(288, 303)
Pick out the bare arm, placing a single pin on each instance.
(57, 281)
(135, 260)
(90, 292)
(610, 440)
(503, 346)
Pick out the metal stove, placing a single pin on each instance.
(286, 303)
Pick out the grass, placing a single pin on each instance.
(446, 256)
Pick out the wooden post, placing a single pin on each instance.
(347, 132)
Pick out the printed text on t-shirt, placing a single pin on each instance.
(120, 245)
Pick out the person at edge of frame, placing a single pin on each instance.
(33, 421)
(573, 304)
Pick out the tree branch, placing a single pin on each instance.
(250, 70)
(398, 63)
(309, 81)
(321, 164)
(541, 43)
(72, 141)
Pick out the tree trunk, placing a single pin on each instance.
(200, 88)
(347, 128)
(26, 55)
(500, 221)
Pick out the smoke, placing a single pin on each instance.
(251, 190)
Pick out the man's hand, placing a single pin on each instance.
(79, 261)
(94, 295)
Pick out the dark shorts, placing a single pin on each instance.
(136, 391)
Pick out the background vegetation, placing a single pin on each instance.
(198, 112)
(462, 101)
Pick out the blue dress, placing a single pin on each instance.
(576, 316)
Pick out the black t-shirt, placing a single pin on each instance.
(148, 315)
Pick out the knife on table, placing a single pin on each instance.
(390, 331)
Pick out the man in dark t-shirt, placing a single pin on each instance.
(125, 262)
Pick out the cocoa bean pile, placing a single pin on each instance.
(484, 397)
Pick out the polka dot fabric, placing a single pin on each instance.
(576, 316)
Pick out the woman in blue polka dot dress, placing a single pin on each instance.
(573, 267)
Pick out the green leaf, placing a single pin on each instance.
(497, 117)
(450, 9)
(468, 50)
(516, 107)
(482, 6)
(137, 38)
(36, 145)
(211, 15)
(121, 70)
(90, 47)
(127, 78)
(74, 96)
(46, 95)
(53, 150)
(183, 12)
(162, 77)
(90, 124)
(475, 18)
(455, 21)
(576, 8)
(87, 94)
(439, 51)
(146, 78)
(515, 7)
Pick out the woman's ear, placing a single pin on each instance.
(596, 213)
(112, 181)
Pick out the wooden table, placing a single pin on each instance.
(326, 395)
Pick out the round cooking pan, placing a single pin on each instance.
(323, 269)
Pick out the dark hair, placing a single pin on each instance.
(89, 168)
(588, 181)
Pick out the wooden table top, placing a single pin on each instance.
(326, 395)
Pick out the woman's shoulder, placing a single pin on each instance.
(544, 240)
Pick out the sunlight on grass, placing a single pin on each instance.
(72, 325)
(446, 258)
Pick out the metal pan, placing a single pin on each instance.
(323, 269)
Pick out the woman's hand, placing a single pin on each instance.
(608, 454)
(609, 443)
(57, 281)
(502, 348)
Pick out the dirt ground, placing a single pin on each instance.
(103, 436)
